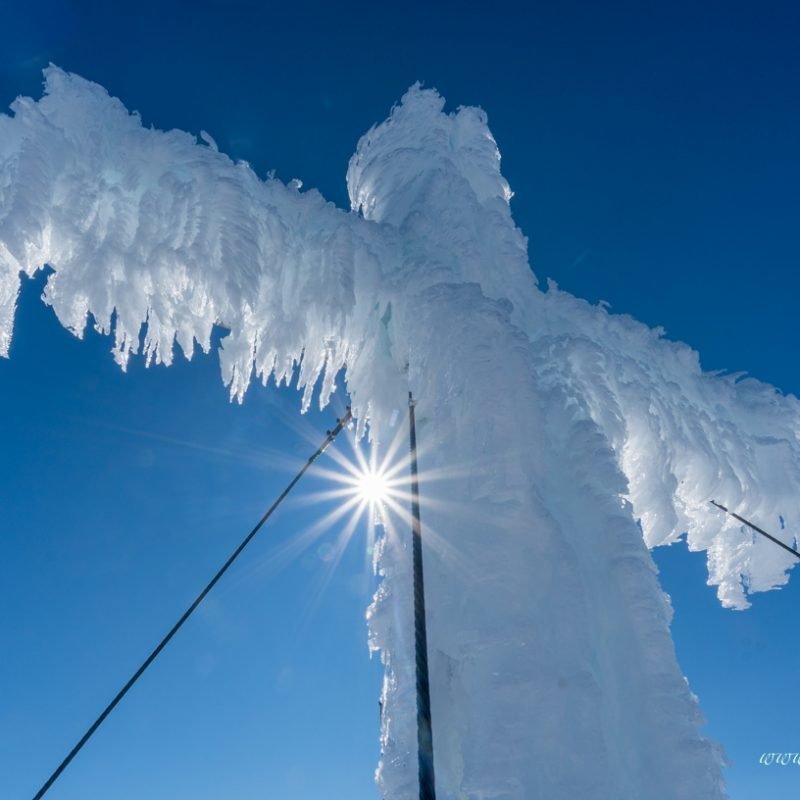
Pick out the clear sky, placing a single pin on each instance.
(654, 158)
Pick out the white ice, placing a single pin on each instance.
(582, 438)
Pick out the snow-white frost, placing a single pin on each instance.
(553, 672)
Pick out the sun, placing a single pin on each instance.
(372, 486)
(368, 484)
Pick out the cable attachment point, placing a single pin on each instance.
(749, 524)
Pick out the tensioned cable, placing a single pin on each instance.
(340, 423)
(756, 528)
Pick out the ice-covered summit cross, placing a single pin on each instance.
(591, 439)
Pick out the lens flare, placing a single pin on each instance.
(373, 486)
(367, 488)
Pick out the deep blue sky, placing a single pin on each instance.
(653, 153)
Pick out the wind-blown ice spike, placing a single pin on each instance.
(756, 528)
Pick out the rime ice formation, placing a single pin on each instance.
(553, 672)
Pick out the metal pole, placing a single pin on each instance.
(427, 778)
(756, 529)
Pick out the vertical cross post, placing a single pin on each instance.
(427, 779)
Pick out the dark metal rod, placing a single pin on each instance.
(757, 529)
(427, 777)
(177, 626)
